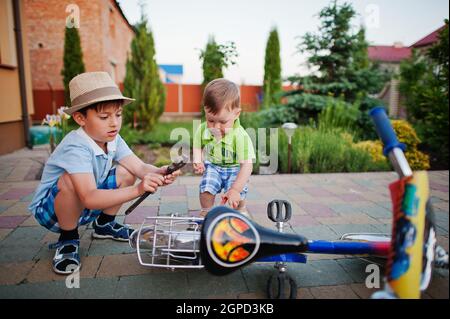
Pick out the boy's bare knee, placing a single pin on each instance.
(207, 194)
(124, 177)
(65, 183)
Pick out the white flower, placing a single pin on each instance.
(52, 120)
(61, 113)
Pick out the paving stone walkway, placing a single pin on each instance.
(325, 206)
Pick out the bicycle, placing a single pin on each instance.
(225, 240)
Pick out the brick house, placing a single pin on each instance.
(428, 41)
(389, 58)
(105, 35)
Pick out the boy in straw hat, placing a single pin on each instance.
(79, 184)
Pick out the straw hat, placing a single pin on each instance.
(93, 87)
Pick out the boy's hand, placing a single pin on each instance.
(150, 183)
(232, 197)
(199, 168)
(168, 179)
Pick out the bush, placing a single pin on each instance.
(339, 115)
(407, 135)
(374, 148)
(315, 151)
(159, 135)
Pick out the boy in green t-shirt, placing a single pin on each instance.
(223, 151)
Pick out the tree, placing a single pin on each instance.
(272, 71)
(142, 80)
(340, 69)
(72, 59)
(424, 87)
(339, 56)
(215, 58)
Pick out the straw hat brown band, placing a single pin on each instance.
(93, 87)
(95, 94)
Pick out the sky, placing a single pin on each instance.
(181, 29)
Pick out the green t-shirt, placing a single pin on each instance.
(234, 147)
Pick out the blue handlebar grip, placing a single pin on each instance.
(385, 130)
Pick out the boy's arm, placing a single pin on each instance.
(197, 155)
(138, 168)
(233, 196)
(93, 198)
(197, 152)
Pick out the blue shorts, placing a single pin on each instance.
(45, 211)
(217, 178)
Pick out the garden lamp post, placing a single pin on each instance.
(289, 129)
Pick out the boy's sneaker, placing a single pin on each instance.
(112, 230)
(67, 257)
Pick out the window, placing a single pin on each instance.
(8, 53)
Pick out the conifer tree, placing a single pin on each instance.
(272, 70)
(142, 81)
(72, 59)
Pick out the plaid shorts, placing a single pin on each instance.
(45, 211)
(215, 178)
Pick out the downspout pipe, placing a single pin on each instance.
(22, 82)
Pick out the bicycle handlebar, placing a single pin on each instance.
(393, 149)
(385, 130)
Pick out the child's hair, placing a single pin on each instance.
(101, 105)
(219, 94)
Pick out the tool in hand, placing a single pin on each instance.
(176, 165)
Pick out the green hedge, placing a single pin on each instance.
(159, 135)
(316, 151)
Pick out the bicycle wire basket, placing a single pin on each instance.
(168, 242)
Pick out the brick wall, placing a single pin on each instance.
(105, 39)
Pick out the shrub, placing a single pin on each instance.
(417, 160)
(407, 135)
(316, 151)
(251, 120)
(159, 135)
(338, 115)
(374, 148)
